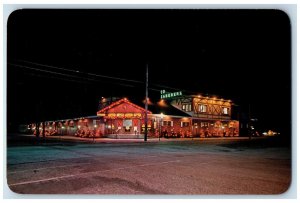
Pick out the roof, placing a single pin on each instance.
(116, 103)
(153, 108)
(168, 109)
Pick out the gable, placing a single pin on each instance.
(122, 106)
(125, 108)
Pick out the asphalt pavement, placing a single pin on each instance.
(166, 167)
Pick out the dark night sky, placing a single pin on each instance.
(242, 55)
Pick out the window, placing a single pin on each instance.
(202, 108)
(127, 123)
(225, 110)
(204, 124)
(185, 124)
(187, 107)
(167, 123)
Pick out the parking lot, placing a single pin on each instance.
(168, 167)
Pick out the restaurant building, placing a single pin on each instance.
(178, 116)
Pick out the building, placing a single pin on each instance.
(123, 118)
(173, 116)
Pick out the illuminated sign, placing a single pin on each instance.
(165, 95)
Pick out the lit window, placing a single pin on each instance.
(185, 124)
(202, 108)
(167, 123)
(187, 107)
(225, 111)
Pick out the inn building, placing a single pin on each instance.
(175, 115)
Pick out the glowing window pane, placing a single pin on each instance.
(202, 108)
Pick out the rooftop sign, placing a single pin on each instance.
(165, 95)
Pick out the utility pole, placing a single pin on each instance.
(146, 106)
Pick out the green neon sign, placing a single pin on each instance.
(166, 95)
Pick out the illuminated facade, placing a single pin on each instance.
(123, 118)
(208, 117)
(184, 116)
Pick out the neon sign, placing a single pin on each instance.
(165, 95)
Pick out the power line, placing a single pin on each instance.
(77, 72)
(99, 75)
(47, 71)
(92, 74)
(95, 75)
(58, 78)
(68, 75)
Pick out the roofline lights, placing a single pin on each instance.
(119, 102)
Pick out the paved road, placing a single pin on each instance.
(180, 167)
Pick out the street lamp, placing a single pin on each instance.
(161, 122)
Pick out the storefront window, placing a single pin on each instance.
(127, 124)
